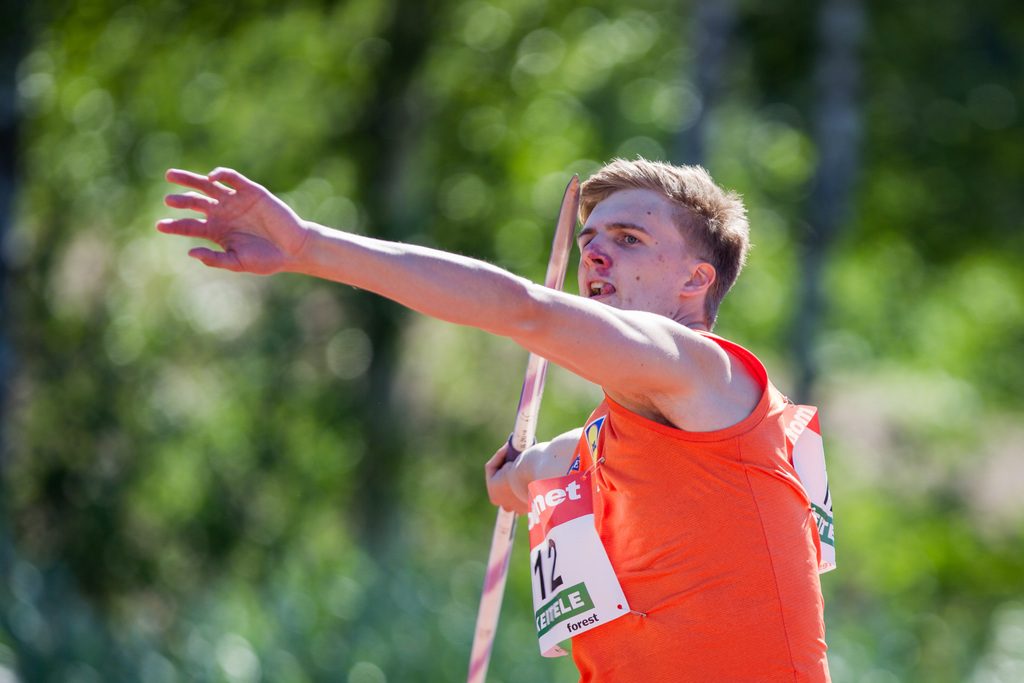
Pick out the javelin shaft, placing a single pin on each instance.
(523, 435)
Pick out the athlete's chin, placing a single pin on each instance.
(607, 300)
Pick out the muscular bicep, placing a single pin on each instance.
(551, 458)
(630, 353)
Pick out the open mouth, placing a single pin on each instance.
(598, 288)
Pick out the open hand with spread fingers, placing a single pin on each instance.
(257, 231)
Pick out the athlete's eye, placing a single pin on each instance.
(630, 239)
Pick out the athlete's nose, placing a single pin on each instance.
(594, 255)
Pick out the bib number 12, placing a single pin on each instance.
(554, 580)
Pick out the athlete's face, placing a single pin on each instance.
(633, 256)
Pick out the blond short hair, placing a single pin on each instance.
(713, 220)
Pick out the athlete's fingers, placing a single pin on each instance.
(496, 462)
(501, 492)
(187, 227)
(190, 200)
(195, 181)
(216, 259)
(232, 178)
(497, 488)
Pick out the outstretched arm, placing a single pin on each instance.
(260, 234)
(629, 353)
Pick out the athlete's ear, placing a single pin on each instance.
(701, 278)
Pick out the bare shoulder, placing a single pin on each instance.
(647, 362)
(710, 389)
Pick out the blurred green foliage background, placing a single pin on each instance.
(215, 477)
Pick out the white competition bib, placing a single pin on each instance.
(574, 586)
(803, 437)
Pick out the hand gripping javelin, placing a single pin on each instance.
(522, 438)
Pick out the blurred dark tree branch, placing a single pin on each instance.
(387, 136)
(711, 27)
(837, 136)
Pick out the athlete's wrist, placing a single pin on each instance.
(316, 252)
(524, 470)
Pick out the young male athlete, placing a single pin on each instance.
(702, 516)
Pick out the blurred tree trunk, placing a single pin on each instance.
(12, 36)
(10, 52)
(35, 601)
(837, 129)
(712, 26)
(12, 42)
(390, 127)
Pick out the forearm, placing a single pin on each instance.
(442, 285)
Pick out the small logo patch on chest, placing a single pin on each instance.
(593, 432)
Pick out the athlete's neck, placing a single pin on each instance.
(688, 319)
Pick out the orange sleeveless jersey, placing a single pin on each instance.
(712, 536)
